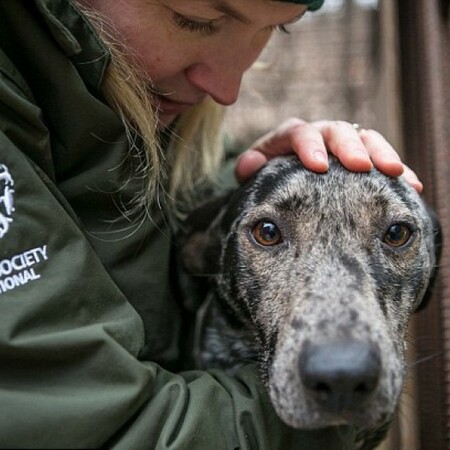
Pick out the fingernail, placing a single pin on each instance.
(319, 156)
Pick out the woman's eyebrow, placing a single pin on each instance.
(223, 7)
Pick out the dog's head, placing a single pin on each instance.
(326, 270)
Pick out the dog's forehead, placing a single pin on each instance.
(286, 185)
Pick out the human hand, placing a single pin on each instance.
(358, 150)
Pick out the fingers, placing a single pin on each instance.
(383, 155)
(358, 150)
(386, 159)
(307, 141)
(293, 136)
(344, 141)
(411, 178)
(248, 163)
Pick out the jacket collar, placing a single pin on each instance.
(77, 39)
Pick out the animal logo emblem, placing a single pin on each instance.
(6, 199)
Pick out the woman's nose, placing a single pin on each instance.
(220, 82)
(219, 72)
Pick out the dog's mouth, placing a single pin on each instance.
(313, 414)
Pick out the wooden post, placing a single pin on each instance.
(423, 32)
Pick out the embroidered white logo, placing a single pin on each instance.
(6, 199)
(18, 270)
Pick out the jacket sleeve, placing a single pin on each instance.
(69, 339)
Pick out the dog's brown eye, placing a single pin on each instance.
(267, 233)
(397, 235)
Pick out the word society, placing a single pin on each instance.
(18, 270)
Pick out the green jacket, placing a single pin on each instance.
(90, 331)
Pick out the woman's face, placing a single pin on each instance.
(192, 49)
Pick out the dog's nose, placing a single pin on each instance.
(340, 375)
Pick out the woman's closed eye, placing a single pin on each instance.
(207, 27)
(281, 28)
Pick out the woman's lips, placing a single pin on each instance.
(172, 107)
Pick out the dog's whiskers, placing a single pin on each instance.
(424, 359)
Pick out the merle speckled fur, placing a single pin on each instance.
(332, 281)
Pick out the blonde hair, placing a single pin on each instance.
(195, 151)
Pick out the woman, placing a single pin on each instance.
(108, 117)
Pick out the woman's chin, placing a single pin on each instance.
(165, 120)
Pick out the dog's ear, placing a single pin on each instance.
(437, 237)
(199, 238)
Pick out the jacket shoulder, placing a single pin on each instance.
(21, 118)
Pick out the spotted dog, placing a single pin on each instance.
(315, 276)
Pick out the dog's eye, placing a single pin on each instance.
(267, 233)
(397, 235)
